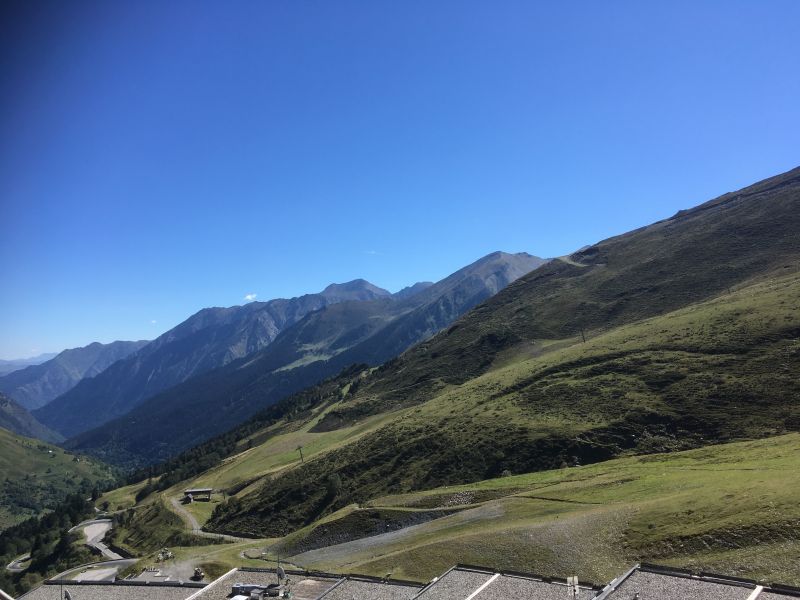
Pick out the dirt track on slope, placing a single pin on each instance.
(194, 524)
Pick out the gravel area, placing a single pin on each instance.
(513, 588)
(774, 596)
(457, 583)
(110, 592)
(342, 553)
(655, 586)
(371, 590)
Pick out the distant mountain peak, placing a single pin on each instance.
(358, 289)
(500, 254)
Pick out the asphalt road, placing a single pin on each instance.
(15, 566)
(94, 531)
(102, 571)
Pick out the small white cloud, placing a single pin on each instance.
(153, 322)
(372, 252)
(250, 297)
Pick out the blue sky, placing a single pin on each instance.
(160, 157)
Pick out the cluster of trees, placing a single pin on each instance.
(31, 494)
(49, 543)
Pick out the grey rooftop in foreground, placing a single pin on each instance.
(110, 591)
(479, 583)
(651, 582)
(462, 582)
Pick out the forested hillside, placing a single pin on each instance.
(37, 476)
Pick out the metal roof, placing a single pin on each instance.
(94, 590)
(652, 582)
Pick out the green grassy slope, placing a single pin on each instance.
(724, 508)
(730, 508)
(36, 475)
(714, 371)
(695, 255)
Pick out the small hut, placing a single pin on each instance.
(191, 495)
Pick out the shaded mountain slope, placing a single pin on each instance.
(36, 385)
(16, 419)
(316, 347)
(211, 338)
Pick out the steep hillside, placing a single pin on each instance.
(37, 476)
(714, 371)
(695, 255)
(36, 385)
(316, 347)
(16, 419)
(502, 390)
(209, 339)
(724, 508)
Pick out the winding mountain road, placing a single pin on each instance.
(102, 571)
(94, 531)
(15, 566)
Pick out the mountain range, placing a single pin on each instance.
(316, 346)
(37, 385)
(211, 338)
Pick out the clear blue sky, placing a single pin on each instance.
(160, 157)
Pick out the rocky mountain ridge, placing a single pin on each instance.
(211, 338)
